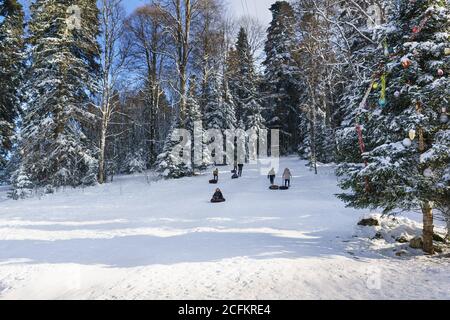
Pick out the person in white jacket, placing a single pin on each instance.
(287, 176)
(272, 174)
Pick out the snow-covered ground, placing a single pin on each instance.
(136, 239)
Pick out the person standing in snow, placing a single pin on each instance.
(216, 174)
(240, 169)
(287, 176)
(271, 176)
(235, 167)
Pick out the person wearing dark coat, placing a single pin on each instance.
(218, 196)
(216, 174)
(272, 175)
(240, 169)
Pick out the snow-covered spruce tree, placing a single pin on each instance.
(11, 71)
(281, 85)
(193, 116)
(361, 76)
(170, 165)
(61, 80)
(219, 109)
(244, 85)
(406, 169)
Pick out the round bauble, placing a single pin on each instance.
(375, 86)
(382, 103)
(406, 63)
(447, 51)
(407, 143)
(440, 72)
(416, 29)
(397, 94)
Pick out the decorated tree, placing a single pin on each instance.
(402, 123)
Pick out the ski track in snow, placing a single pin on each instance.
(163, 240)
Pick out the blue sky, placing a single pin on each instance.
(256, 8)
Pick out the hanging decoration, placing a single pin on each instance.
(375, 86)
(440, 72)
(397, 94)
(363, 104)
(412, 134)
(382, 101)
(406, 63)
(407, 142)
(444, 116)
(447, 51)
(417, 29)
(386, 48)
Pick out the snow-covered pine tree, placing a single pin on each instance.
(244, 85)
(406, 169)
(169, 165)
(193, 116)
(219, 109)
(62, 78)
(281, 85)
(11, 71)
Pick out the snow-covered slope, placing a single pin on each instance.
(137, 239)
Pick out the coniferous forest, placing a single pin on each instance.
(91, 91)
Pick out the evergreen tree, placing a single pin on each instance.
(193, 117)
(219, 110)
(407, 157)
(281, 83)
(11, 71)
(169, 163)
(243, 84)
(63, 76)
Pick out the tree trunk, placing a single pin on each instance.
(428, 228)
(101, 160)
(448, 228)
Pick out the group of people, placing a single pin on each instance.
(287, 176)
(237, 172)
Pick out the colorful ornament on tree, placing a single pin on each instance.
(416, 29)
(406, 63)
(407, 142)
(440, 72)
(397, 94)
(386, 48)
(447, 51)
(382, 102)
(375, 86)
(444, 117)
(412, 134)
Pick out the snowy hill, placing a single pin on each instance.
(135, 239)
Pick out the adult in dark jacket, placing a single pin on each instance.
(216, 174)
(240, 169)
(272, 175)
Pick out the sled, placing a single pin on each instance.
(284, 188)
(217, 200)
(213, 181)
(274, 187)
